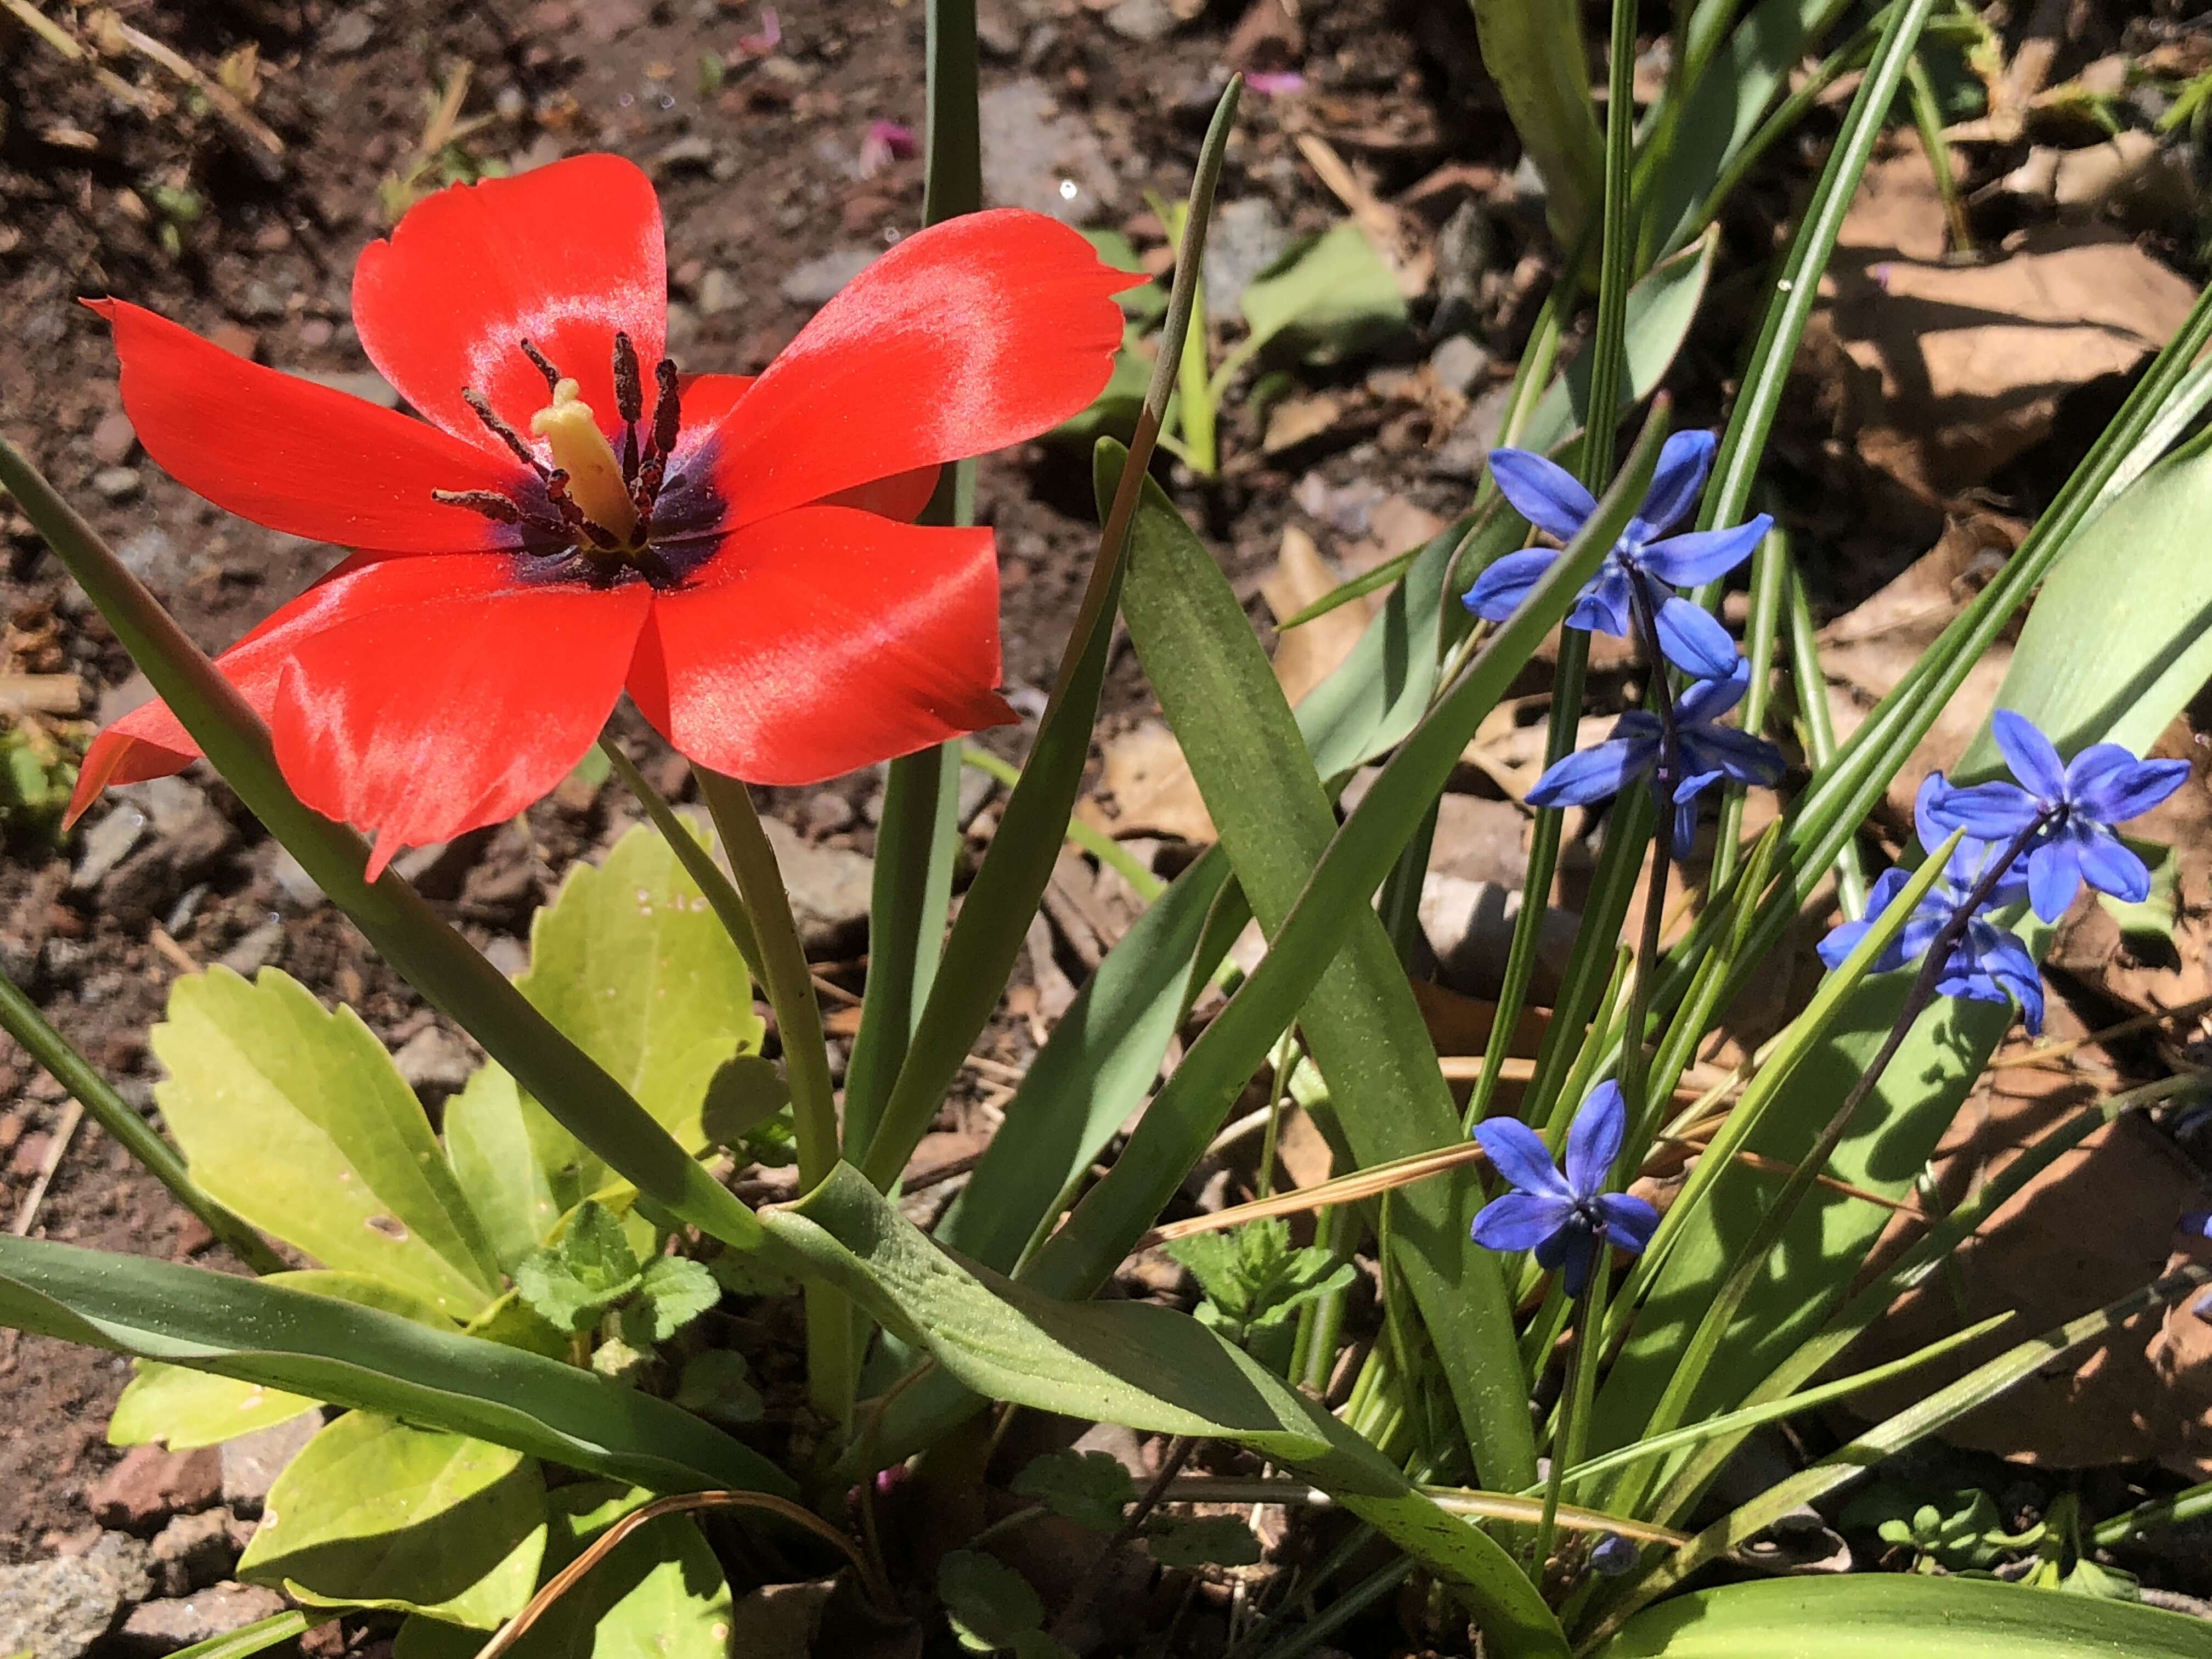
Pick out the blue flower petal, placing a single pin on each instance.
(1683, 460)
(2054, 876)
(2112, 785)
(1842, 939)
(1596, 773)
(1709, 699)
(1517, 1152)
(1593, 1140)
(1520, 1221)
(2029, 753)
(1704, 556)
(1694, 641)
(1737, 755)
(2110, 867)
(1542, 491)
(1686, 829)
(1883, 894)
(1499, 591)
(1629, 1221)
(1574, 1249)
(1603, 606)
(1693, 783)
(1992, 811)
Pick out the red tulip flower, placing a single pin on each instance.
(575, 518)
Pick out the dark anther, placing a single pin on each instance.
(667, 408)
(506, 434)
(630, 392)
(552, 374)
(490, 502)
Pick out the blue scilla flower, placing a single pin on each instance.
(2079, 802)
(1989, 964)
(1549, 497)
(1562, 1216)
(1707, 753)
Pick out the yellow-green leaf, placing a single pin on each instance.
(295, 1118)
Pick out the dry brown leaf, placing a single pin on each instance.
(1311, 652)
(2094, 1226)
(1967, 364)
(1153, 791)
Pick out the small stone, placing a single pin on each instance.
(1038, 156)
(1459, 363)
(830, 886)
(261, 302)
(976, 789)
(1247, 236)
(717, 293)
(252, 1462)
(292, 878)
(113, 439)
(998, 35)
(160, 1627)
(58, 1609)
(107, 844)
(508, 953)
(118, 484)
(351, 33)
(194, 1551)
(826, 813)
(151, 1482)
(693, 152)
(236, 338)
(365, 384)
(255, 951)
(1144, 21)
(817, 281)
(149, 554)
(434, 1059)
(1467, 451)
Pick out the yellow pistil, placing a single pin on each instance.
(581, 450)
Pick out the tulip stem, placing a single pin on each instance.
(805, 1062)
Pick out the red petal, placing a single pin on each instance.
(150, 742)
(291, 454)
(562, 255)
(901, 496)
(442, 695)
(707, 398)
(970, 335)
(822, 641)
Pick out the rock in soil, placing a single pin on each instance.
(252, 1462)
(1037, 156)
(816, 282)
(151, 1482)
(195, 1551)
(434, 1058)
(1246, 238)
(159, 1627)
(830, 888)
(58, 1609)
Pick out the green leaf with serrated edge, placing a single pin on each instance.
(1144, 1366)
(184, 1409)
(2085, 670)
(630, 962)
(1360, 1022)
(296, 1119)
(991, 1606)
(674, 1291)
(1091, 1488)
(659, 1594)
(366, 1358)
(590, 1267)
(372, 1513)
(1253, 1278)
(494, 1157)
(1219, 1540)
(1903, 1616)
(718, 1384)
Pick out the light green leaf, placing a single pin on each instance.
(296, 1119)
(1661, 308)
(243, 1643)
(1251, 1276)
(372, 1513)
(630, 962)
(185, 1409)
(326, 1349)
(718, 1384)
(1536, 56)
(1903, 1616)
(588, 1269)
(1089, 1488)
(674, 1291)
(489, 1143)
(991, 1606)
(659, 1594)
(1219, 1541)
(1329, 296)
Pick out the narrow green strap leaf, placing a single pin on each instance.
(426, 952)
(258, 1637)
(1535, 53)
(1148, 1368)
(1361, 1022)
(364, 1358)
